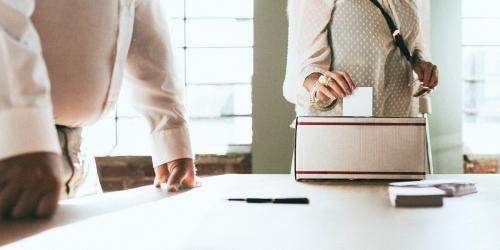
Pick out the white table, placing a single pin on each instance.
(341, 215)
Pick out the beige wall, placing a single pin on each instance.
(272, 138)
(446, 118)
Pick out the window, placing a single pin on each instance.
(481, 67)
(214, 41)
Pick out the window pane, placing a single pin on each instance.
(124, 105)
(219, 33)
(179, 60)
(174, 8)
(482, 82)
(219, 8)
(99, 138)
(217, 101)
(177, 32)
(110, 114)
(214, 136)
(481, 32)
(219, 65)
(481, 70)
(481, 61)
(482, 98)
(133, 137)
(478, 137)
(481, 8)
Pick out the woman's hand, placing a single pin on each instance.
(427, 73)
(340, 85)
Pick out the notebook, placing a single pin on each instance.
(416, 196)
(451, 187)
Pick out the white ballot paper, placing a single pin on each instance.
(360, 103)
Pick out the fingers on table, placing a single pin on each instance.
(182, 177)
(157, 182)
(47, 205)
(36, 203)
(175, 179)
(161, 175)
(26, 205)
(190, 180)
(9, 196)
(176, 174)
(159, 179)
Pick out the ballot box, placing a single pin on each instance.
(360, 148)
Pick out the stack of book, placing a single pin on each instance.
(427, 193)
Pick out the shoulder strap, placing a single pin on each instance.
(396, 34)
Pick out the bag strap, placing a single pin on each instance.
(396, 33)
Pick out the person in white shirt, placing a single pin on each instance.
(87, 48)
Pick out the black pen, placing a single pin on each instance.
(273, 200)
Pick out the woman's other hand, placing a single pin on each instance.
(427, 73)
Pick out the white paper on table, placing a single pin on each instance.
(360, 103)
(429, 183)
(412, 191)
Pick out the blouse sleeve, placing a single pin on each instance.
(420, 51)
(158, 92)
(308, 45)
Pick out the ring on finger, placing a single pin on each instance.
(324, 80)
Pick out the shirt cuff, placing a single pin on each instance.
(27, 130)
(171, 144)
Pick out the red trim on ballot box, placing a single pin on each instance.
(359, 172)
(360, 124)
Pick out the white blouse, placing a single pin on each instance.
(352, 36)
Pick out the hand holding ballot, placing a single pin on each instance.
(330, 85)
